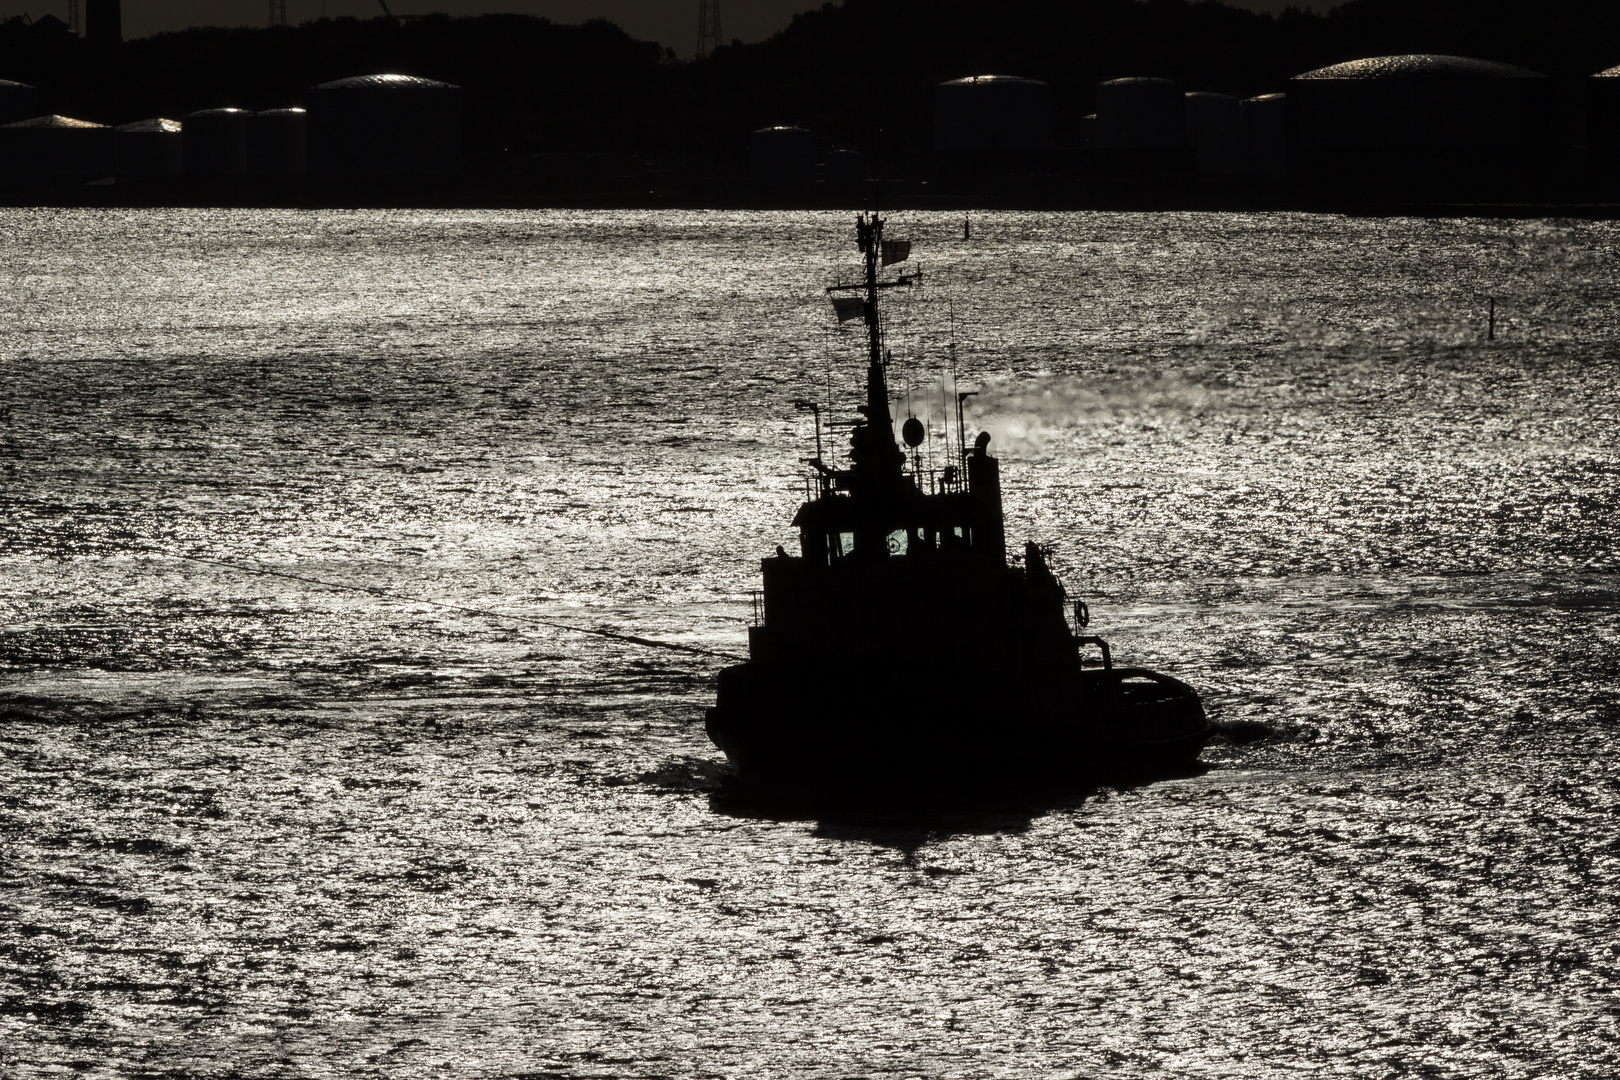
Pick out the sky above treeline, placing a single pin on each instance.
(669, 22)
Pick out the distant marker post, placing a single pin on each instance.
(1490, 330)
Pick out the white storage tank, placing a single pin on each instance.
(1603, 130)
(1214, 130)
(214, 142)
(1265, 137)
(992, 114)
(385, 125)
(277, 143)
(782, 156)
(18, 101)
(1140, 114)
(1421, 124)
(149, 148)
(45, 149)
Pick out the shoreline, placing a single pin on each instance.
(496, 193)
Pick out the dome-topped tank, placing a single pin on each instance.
(1215, 132)
(782, 156)
(385, 125)
(1421, 66)
(44, 149)
(1265, 137)
(992, 114)
(18, 101)
(277, 143)
(1140, 114)
(1439, 126)
(1419, 100)
(1603, 130)
(150, 148)
(215, 142)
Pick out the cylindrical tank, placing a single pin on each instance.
(1085, 132)
(782, 156)
(1214, 127)
(44, 149)
(1140, 114)
(845, 166)
(149, 148)
(276, 144)
(385, 125)
(992, 114)
(1420, 125)
(18, 101)
(1603, 129)
(215, 142)
(1265, 137)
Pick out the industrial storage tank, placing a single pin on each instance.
(1603, 130)
(1425, 126)
(1265, 137)
(1214, 130)
(992, 114)
(782, 156)
(385, 125)
(215, 142)
(18, 101)
(149, 148)
(1085, 131)
(277, 143)
(845, 166)
(59, 149)
(1140, 114)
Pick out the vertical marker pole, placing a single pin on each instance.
(1490, 332)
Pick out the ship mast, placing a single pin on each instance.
(874, 450)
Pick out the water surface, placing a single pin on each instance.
(252, 826)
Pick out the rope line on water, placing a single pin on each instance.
(614, 635)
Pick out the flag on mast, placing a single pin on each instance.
(896, 251)
(848, 307)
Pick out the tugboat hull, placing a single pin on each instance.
(899, 651)
(885, 729)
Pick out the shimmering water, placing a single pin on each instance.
(250, 826)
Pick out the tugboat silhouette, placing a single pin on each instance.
(898, 652)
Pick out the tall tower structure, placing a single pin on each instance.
(708, 27)
(278, 12)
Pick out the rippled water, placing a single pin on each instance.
(255, 827)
